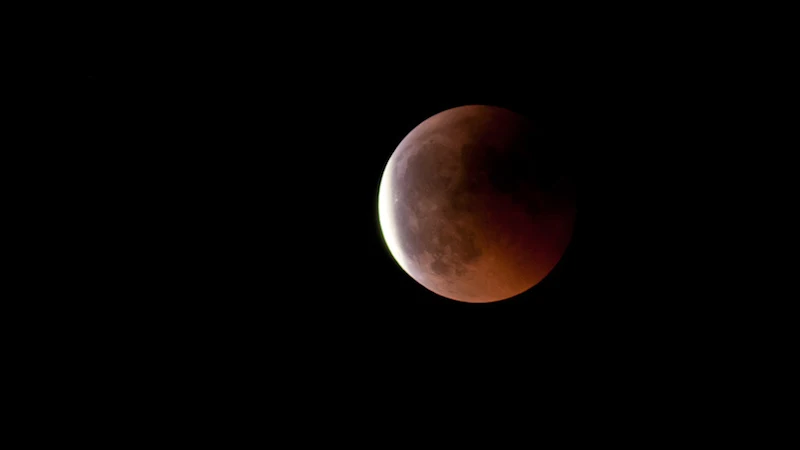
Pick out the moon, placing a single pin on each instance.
(470, 210)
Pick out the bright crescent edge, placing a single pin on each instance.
(386, 215)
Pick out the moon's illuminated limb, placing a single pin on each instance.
(386, 215)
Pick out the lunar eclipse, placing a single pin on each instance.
(468, 208)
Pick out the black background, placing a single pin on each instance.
(222, 216)
(204, 240)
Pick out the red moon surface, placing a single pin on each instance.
(469, 210)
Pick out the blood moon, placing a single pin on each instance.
(469, 207)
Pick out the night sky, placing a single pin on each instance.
(228, 206)
(209, 222)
